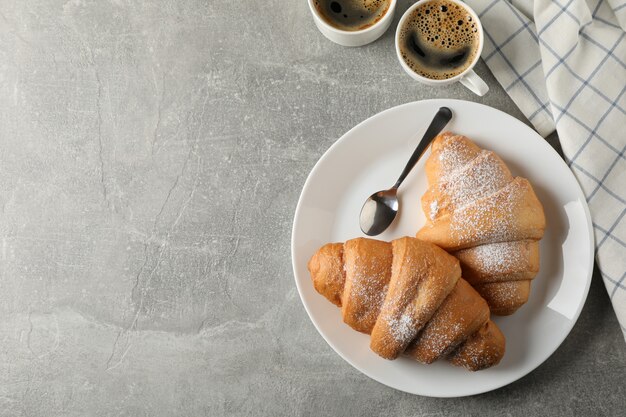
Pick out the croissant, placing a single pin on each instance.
(489, 220)
(410, 297)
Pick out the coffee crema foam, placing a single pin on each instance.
(352, 15)
(439, 40)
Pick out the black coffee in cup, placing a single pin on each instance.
(439, 40)
(352, 15)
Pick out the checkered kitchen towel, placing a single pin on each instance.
(563, 62)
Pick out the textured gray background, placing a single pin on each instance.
(151, 158)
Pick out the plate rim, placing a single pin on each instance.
(443, 101)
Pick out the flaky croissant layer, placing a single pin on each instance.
(409, 295)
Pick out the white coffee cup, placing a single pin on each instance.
(357, 37)
(468, 77)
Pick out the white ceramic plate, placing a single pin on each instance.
(369, 158)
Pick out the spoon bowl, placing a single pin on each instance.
(379, 211)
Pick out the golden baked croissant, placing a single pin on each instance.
(409, 295)
(489, 220)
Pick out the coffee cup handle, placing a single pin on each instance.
(472, 81)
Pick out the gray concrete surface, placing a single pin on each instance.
(151, 158)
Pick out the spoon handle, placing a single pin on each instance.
(440, 121)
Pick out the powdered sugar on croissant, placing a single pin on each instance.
(409, 295)
(490, 220)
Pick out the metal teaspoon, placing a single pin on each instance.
(381, 208)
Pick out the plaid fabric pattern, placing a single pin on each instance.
(563, 62)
